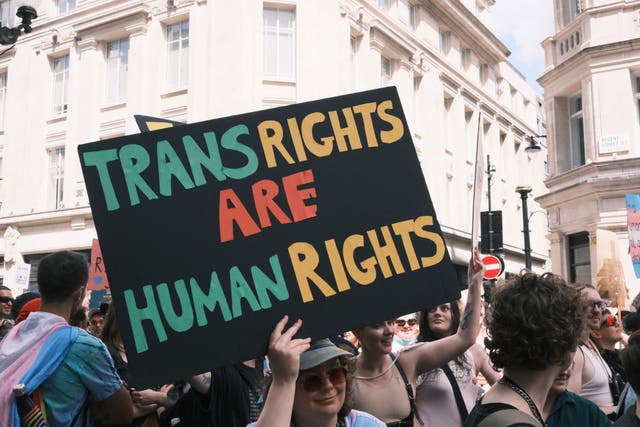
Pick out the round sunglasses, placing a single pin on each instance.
(314, 382)
(402, 322)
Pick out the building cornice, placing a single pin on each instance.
(610, 178)
(469, 28)
(586, 55)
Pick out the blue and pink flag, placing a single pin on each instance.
(633, 222)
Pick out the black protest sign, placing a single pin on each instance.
(213, 231)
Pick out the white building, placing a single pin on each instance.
(90, 65)
(592, 92)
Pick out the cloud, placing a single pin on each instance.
(522, 25)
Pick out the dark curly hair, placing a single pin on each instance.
(534, 322)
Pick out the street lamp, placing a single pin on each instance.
(10, 35)
(534, 146)
(524, 191)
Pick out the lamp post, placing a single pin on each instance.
(524, 191)
(10, 35)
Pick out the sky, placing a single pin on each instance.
(522, 25)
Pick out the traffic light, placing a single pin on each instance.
(490, 232)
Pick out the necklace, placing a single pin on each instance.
(515, 387)
(395, 359)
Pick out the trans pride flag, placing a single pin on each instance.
(633, 222)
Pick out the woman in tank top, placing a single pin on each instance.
(380, 387)
(435, 399)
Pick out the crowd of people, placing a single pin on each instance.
(554, 354)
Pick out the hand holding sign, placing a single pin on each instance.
(284, 350)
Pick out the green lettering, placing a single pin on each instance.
(99, 159)
(263, 283)
(198, 159)
(181, 323)
(214, 297)
(137, 315)
(239, 290)
(135, 159)
(169, 165)
(230, 142)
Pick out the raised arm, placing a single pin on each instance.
(483, 364)
(284, 357)
(431, 355)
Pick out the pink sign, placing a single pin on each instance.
(97, 273)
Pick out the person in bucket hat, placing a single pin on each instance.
(310, 384)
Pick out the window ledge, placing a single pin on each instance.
(57, 118)
(174, 92)
(279, 82)
(111, 107)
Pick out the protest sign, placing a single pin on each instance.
(213, 231)
(98, 280)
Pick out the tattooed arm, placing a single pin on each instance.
(431, 355)
(201, 383)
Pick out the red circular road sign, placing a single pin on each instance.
(494, 266)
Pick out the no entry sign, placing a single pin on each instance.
(494, 266)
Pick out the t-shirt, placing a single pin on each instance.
(480, 412)
(571, 409)
(628, 419)
(355, 419)
(87, 372)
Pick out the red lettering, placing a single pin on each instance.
(232, 210)
(263, 193)
(296, 196)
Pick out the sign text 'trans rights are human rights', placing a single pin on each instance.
(212, 231)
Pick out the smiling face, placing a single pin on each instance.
(594, 308)
(406, 327)
(6, 302)
(320, 392)
(377, 338)
(439, 320)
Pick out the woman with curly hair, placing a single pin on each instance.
(310, 384)
(533, 329)
(436, 400)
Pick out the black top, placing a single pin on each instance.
(480, 412)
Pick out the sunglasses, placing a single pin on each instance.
(599, 304)
(402, 322)
(314, 382)
(6, 300)
(609, 321)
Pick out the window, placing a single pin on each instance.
(279, 43)
(8, 13)
(177, 54)
(60, 68)
(353, 57)
(576, 132)
(407, 13)
(385, 71)
(571, 9)
(117, 67)
(579, 258)
(483, 73)
(383, 4)
(65, 6)
(56, 176)
(445, 41)
(3, 97)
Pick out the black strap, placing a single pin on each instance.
(462, 407)
(407, 384)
